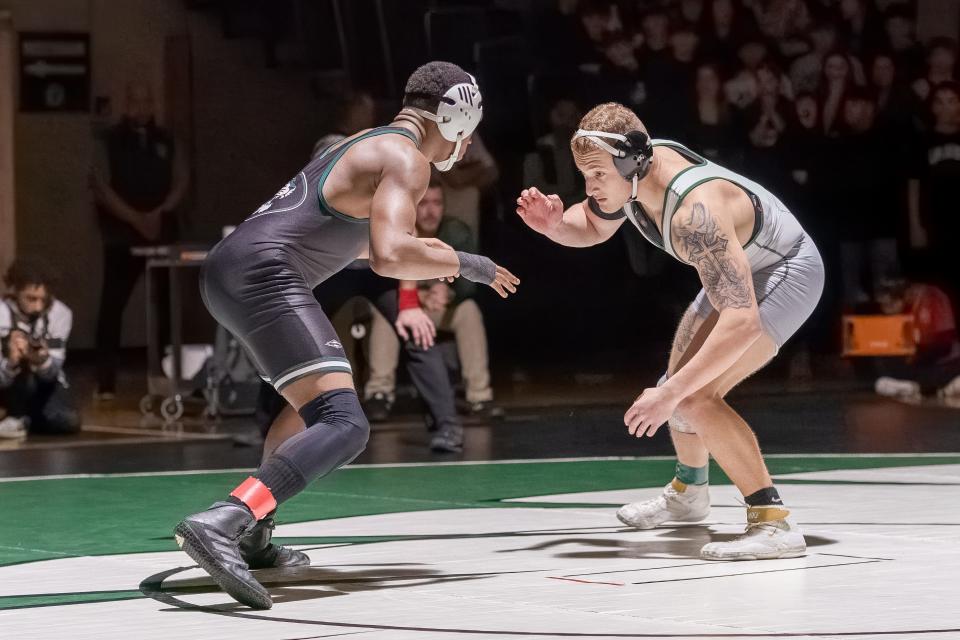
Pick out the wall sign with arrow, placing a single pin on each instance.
(54, 72)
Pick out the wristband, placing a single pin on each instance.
(477, 268)
(408, 299)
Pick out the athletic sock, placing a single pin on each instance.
(283, 478)
(765, 505)
(686, 475)
(766, 496)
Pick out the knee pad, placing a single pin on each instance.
(678, 423)
(339, 409)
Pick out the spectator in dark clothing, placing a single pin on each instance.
(681, 67)
(561, 37)
(934, 222)
(766, 125)
(806, 71)
(595, 29)
(550, 167)
(725, 27)
(900, 42)
(805, 141)
(858, 29)
(867, 201)
(810, 196)
(941, 67)
(139, 180)
(742, 88)
(619, 73)
(711, 126)
(691, 14)
(894, 102)
(656, 67)
(783, 23)
(34, 329)
(838, 79)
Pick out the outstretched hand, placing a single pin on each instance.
(504, 283)
(540, 212)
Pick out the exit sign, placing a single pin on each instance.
(54, 72)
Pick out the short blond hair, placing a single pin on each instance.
(611, 117)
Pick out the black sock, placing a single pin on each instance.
(282, 478)
(765, 497)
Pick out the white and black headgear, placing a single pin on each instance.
(459, 105)
(632, 152)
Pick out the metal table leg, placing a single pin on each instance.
(172, 407)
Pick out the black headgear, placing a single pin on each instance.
(632, 152)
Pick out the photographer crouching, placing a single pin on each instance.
(34, 327)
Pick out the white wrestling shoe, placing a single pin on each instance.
(761, 541)
(690, 505)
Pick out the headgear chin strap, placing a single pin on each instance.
(458, 114)
(632, 153)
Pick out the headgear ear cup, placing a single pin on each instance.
(637, 155)
(458, 114)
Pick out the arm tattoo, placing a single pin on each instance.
(704, 245)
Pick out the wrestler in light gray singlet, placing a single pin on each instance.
(787, 269)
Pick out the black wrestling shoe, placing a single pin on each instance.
(447, 439)
(211, 538)
(259, 553)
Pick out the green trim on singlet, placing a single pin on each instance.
(701, 162)
(758, 217)
(665, 231)
(338, 153)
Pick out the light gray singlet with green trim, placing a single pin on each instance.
(776, 230)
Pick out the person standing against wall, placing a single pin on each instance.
(139, 179)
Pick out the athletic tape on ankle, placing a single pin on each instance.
(678, 486)
(692, 475)
(756, 515)
(256, 496)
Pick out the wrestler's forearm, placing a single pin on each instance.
(572, 236)
(407, 258)
(736, 330)
(576, 230)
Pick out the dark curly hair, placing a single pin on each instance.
(25, 272)
(428, 83)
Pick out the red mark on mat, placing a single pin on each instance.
(612, 584)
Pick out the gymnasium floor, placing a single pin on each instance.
(516, 538)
